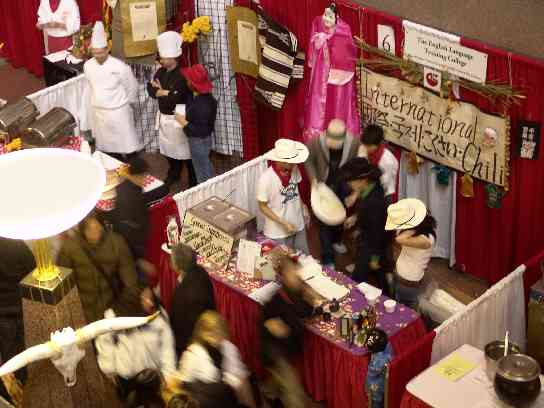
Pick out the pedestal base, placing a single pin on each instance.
(45, 387)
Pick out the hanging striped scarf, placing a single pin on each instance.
(282, 62)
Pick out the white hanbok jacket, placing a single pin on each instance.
(112, 88)
(67, 13)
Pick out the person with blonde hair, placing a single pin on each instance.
(212, 358)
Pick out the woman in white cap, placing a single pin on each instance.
(416, 234)
(279, 197)
(59, 20)
(170, 88)
(113, 89)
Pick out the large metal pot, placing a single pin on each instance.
(15, 117)
(494, 351)
(517, 381)
(51, 130)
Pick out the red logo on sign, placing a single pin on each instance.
(432, 79)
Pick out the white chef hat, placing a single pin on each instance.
(99, 39)
(169, 44)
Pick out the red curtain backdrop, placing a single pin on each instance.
(491, 243)
(23, 42)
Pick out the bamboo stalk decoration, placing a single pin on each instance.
(45, 268)
(495, 91)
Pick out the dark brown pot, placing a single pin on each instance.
(517, 380)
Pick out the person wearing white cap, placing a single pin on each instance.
(169, 87)
(59, 20)
(113, 89)
(416, 234)
(279, 197)
(328, 153)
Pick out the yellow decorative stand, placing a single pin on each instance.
(51, 302)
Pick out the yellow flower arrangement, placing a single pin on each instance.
(191, 31)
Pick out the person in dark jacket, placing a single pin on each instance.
(16, 261)
(199, 120)
(192, 297)
(130, 218)
(282, 334)
(170, 88)
(103, 268)
(369, 218)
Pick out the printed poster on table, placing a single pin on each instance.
(206, 240)
(455, 134)
(442, 51)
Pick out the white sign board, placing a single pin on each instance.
(206, 240)
(386, 38)
(248, 253)
(442, 51)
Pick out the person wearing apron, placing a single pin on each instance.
(170, 89)
(59, 20)
(113, 89)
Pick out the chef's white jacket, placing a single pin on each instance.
(112, 84)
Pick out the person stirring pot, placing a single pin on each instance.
(170, 88)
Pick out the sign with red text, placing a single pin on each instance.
(442, 51)
(455, 134)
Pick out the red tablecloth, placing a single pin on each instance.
(409, 401)
(330, 372)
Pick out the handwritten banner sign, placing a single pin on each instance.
(207, 241)
(442, 51)
(455, 134)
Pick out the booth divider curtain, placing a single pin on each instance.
(501, 308)
(238, 186)
(70, 95)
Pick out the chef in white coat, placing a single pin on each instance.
(170, 88)
(59, 20)
(113, 88)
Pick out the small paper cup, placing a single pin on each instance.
(372, 299)
(390, 306)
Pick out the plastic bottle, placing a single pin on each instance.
(172, 232)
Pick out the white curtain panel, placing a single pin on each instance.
(439, 199)
(70, 95)
(239, 186)
(501, 308)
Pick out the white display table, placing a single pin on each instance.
(474, 390)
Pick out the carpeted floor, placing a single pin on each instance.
(16, 83)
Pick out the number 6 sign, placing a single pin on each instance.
(386, 38)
